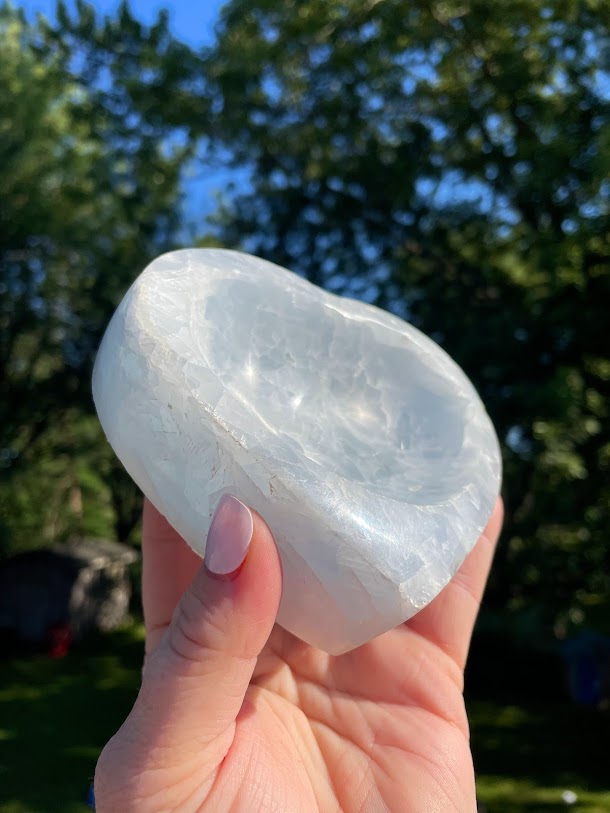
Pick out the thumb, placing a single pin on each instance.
(195, 681)
(203, 665)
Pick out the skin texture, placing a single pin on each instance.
(235, 714)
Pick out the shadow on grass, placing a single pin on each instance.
(530, 742)
(55, 717)
(558, 744)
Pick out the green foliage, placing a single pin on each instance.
(65, 488)
(446, 160)
(90, 190)
(449, 160)
(88, 193)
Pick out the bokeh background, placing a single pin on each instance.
(448, 160)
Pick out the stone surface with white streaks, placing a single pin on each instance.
(361, 443)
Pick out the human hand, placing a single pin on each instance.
(236, 714)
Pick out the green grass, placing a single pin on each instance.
(56, 715)
(529, 744)
(522, 796)
(527, 755)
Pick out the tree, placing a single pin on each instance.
(90, 191)
(450, 161)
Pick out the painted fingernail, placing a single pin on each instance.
(229, 536)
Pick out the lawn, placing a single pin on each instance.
(55, 716)
(528, 755)
(530, 744)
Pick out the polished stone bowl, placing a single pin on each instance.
(362, 444)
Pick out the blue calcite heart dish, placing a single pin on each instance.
(362, 444)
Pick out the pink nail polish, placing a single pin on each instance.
(229, 536)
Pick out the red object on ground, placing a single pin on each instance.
(60, 638)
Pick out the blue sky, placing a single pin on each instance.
(191, 20)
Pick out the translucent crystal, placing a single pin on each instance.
(362, 444)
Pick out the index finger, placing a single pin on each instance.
(448, 621)
(168, 567)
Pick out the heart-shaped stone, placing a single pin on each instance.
(362, 444)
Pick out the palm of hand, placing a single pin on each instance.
(380, 728)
